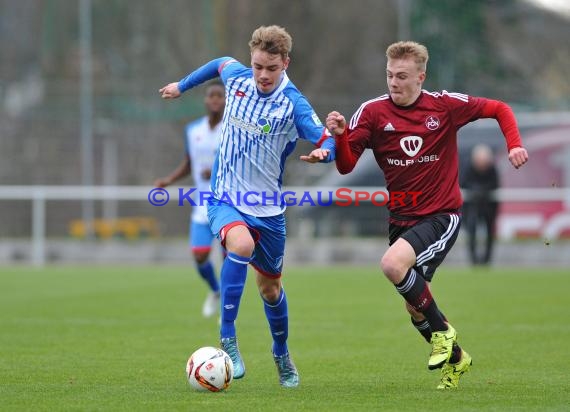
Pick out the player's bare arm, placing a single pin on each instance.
(170, 91)
(336, 123)
(182, 170)
(518, 156)
(162, 182)
(316, 156)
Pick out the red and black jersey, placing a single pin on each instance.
(416, 146)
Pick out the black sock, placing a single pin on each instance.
(423, 327)
(456, 350)
(455, 354)
(415, 290)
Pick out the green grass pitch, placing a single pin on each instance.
(117, 338)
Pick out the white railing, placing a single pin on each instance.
(38, 195)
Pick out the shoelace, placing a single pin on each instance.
(438, 343)
(285, 366)
(230, 348)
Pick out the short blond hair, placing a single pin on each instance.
(405, 49)
(271, 39)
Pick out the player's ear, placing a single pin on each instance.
(286, 61)
(422, 77)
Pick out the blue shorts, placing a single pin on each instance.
(268, 233)
(200, 237)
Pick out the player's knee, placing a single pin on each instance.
(270, 292)
(201, 257)
(240, 242)
(244, 247)
(392, 268)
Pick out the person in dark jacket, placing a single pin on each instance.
(480, 181)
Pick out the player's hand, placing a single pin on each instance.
(336, 123)
(161, 182)
(518, 156)
(316, 156)
(170, 91)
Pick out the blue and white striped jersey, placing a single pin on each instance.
(258, 133)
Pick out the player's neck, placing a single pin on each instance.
(413, 100)
(214, 119)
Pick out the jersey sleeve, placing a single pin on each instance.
(231, 68)
(466, 109)
(463, 108)
(309, 127)
(208, 71)
(504, 115)
(352, 143)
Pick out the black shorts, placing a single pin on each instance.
(432, 238)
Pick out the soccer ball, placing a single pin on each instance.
(210, 369)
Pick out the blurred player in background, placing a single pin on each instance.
(264, 117)
(480, 180)
(201, 141)
(413, 134)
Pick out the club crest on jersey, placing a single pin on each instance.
(264, 125)
(411, 145)
(432, 122)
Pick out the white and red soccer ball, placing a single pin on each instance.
(210, 369)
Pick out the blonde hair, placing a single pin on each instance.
(405, 49)
(271, 39)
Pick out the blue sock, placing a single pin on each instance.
(206, 270)
(278, 318)
(233, 275)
